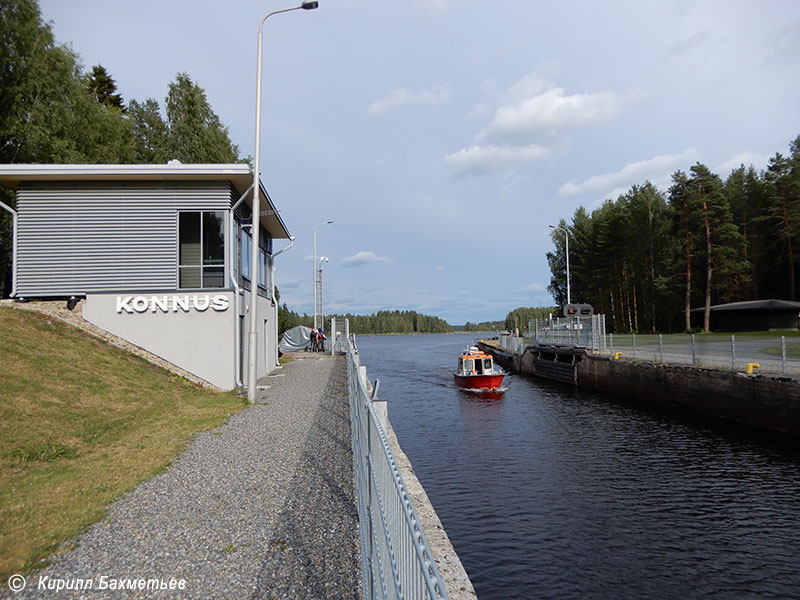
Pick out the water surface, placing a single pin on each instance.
(548, 492)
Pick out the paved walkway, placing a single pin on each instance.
(262, 507)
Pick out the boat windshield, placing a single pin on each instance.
(487, 364)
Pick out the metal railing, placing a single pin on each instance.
(774, 354)
(578, 332)
(396, 560)
(767, 353)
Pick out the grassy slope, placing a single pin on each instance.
(81, 422)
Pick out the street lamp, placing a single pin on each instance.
(314, 266)
(566, 242)
(321, 260)
(255, 258)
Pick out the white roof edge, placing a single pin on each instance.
(41, 171)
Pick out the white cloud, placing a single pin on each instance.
(477, 159)
(532, 121)
(632, 173)
(439, 268)
(364, 257)
(434, 96)
(551, 111)
(759, 161)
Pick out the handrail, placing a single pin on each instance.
(396, 559)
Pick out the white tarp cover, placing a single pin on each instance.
(296, 338)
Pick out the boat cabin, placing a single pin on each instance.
(475, 362)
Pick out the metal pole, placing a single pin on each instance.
(13, 214)
(314, 268)
(694, 356)
(633, 343)
(317, 226)
(254, 256)
(783, 355)
(733, 352)
(566, 238)
(660, 348)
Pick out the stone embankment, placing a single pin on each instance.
(764, 401)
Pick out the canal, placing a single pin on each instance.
(548, 492)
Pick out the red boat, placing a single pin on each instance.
(476, 370)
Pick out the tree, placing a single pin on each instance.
(521, 316)
(196, 134)
(646, 226)
(683, 218)
(783, 209)
(103, 88)
(150, 132)
(710, 239)
(747, 195)
(557, 261)
(191, 132)
(47, 113)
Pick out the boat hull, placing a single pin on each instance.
(478, 382)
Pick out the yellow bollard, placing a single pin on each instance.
(750, 367)
(617, 355)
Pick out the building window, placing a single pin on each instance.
(246, 252)
(262, 268)
(201, 249)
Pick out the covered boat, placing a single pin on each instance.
(476, 370)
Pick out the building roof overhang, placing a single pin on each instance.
(754, 305)
(240, 175)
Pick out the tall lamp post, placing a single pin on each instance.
(317, 226)
(321, 260)
(566, 242)
(254, 256)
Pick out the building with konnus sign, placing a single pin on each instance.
(159, 255)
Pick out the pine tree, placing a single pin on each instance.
(103, 88)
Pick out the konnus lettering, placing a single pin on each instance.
(172, 304)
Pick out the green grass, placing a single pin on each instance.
(81, 423)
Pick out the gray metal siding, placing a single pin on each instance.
(96, 236)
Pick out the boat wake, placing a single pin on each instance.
(483, 394)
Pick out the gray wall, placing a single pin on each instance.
(199, 341)
(101, 236)
(770, 402)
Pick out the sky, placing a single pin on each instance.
(443, 137)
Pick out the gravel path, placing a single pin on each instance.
(262, 507)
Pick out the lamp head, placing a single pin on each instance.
(309, 5)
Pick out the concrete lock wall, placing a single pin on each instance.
(194, 331)
(771, 402)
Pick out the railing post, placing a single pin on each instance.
(633, 343)
(783, 355)
(733, 352)
(694, 355)
(660, 348)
